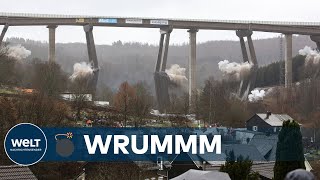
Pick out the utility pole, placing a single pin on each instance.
(210, 101)
(281, 61)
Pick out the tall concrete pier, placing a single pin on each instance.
(52, 43)
(243, 49)
(92, 54)
(288, 60)
(166, 49)
(253, 57)
(192, 67)
(161, 63)
(160, 52)
(161, 79)
(316, 39)
(4, 30)
(248, 83)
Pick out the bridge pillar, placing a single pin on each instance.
(244, 50)
(161, 79)
(316, 39)
(254, 69)
(159, 60)
(192, 67)
(253, 57)
(248, 83)
(52, 43)
(241, 34)
(4, 30)
(288, 60)
(166, 48)
(92, 54)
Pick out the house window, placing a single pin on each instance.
(255, 128)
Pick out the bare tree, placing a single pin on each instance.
(80, 90)
(123, 99)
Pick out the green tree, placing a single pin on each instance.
(105, 93)
(214, 100)
(179, 103)
(289, 155)
(142, 102)
(238, 168)
(8, 117)
(185, 103)
(206, 101)
(269, 75)
(49, 78)
(8, 74)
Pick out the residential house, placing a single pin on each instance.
(267, 122)
(17, 172)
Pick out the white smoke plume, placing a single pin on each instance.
(18, 52)
(312, 56)
(177, 74)
(81, 70)
(235, 70)
(258, 95)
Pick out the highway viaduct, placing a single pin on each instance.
(243, 29)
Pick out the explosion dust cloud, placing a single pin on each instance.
(312, 56)
(18, 52)
(235, 70)
(81, 70)
(177, 74)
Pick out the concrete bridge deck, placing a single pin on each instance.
(23, 19)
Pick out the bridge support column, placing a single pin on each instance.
(160, 77)
(159, 60)
(241, 34)
(248, 83)
(254, 69)
(4, 30)
(316, 39)
(192, 67)
(52, 43)
(92, 54)
(253, 56)
(244, 50)
(165, 53)
(288, 60)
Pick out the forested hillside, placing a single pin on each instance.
(134, 61)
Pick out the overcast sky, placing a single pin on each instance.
(277, 10)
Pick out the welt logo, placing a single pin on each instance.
(25, 143)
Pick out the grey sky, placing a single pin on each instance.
(277, 10)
